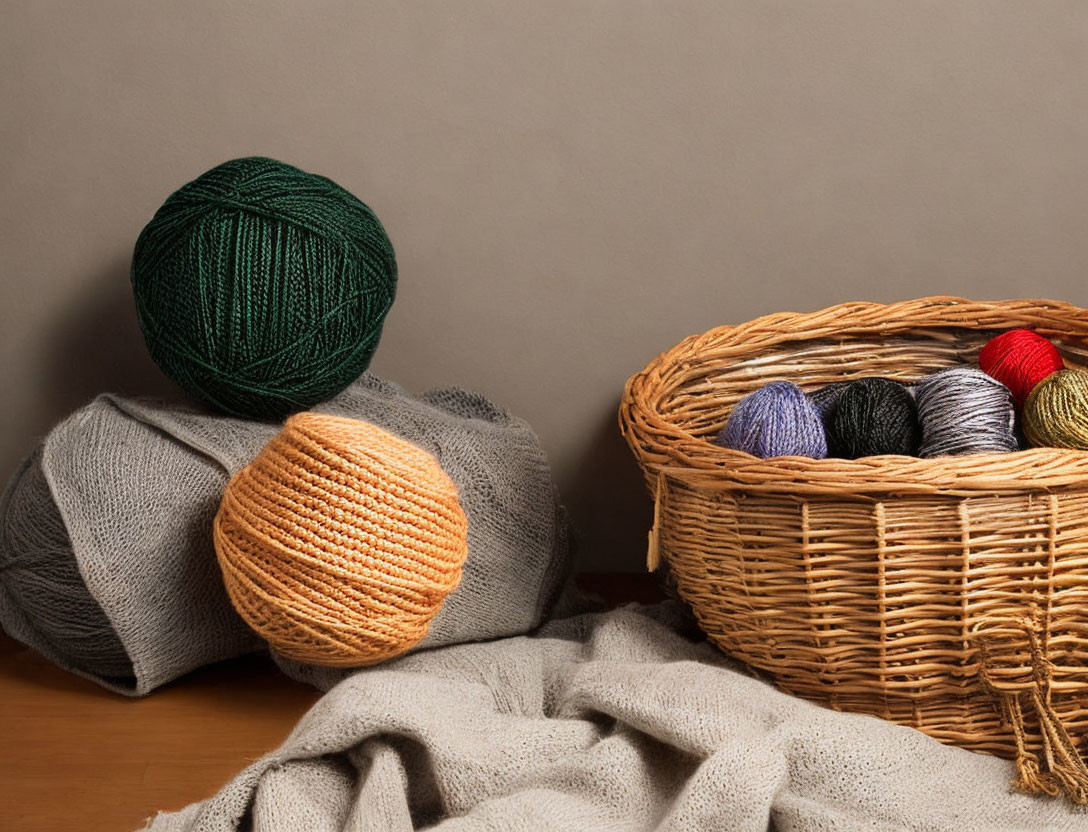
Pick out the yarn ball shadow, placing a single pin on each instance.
(97, 347)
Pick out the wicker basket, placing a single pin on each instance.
(946, 594)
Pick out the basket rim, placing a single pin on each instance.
(665, 450)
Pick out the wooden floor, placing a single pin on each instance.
(76, 757)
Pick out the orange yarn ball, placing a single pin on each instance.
(339, 542)
(1020, 359)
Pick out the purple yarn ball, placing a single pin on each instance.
(776, 420)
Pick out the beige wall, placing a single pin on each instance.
(571, 187)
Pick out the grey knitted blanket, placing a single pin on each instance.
(609, 721)
(106, 559)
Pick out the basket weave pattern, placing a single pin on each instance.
(947, 594)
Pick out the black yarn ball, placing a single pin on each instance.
(875, 416)
(826, 399)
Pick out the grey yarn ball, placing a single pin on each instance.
(41, 578)
(965, 411)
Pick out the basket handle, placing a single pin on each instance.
(653, 548)
(1065, 771)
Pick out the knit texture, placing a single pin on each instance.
(1056, 412)
(132, 490)
(339, 542)
(122, 526)
(875, 416)
(261, 288)
(965, 411)
(776, 420)
(610, 721)
(39, 576)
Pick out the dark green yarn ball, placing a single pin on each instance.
(262, 288)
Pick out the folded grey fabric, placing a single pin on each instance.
(611, 721)
(106, 559)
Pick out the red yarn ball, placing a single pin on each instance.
(1020, 359)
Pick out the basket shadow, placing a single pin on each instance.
(608, 502)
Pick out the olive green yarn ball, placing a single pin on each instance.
(262, 288)
(1056, 411)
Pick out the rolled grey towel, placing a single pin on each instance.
(106, 559)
